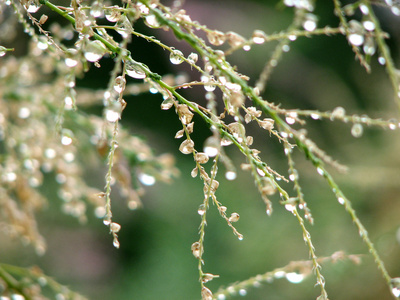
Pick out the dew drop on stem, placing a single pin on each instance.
(357, 130)
(211, 146)
(176, 57)
(134, 70)
(167, 103)
(94, 50)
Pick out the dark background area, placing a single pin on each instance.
(155, 261)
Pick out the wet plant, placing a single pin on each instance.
(46, 129)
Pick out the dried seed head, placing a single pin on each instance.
(179, 134)
(115, 227)
(208, 277)
(222, 209)
(194, 172)
(201, 157)
(197, 249)
(185, 115)
(234, 39)
(267, 124)
(236, 99)
(268, 188)
(43, 19)
(234, 217)
(206, 294)
(187, 147)
(216, 38)
(189, 127)
(213, 187)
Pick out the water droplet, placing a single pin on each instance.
(280, 274)
(100, 212)
(369, 46)
(341, 200)
(240, 237)
(230, 175)
(202, 210)
(17, 297)
(24, 112)
(320, 171)
(112, 115)
(285, 48)
(392, 124)
(167, 103)
(294, 277)
(151, 21)
(290, 120)
(290, 207)
(60, 296)
(211, 146)
(356, 39)
(216, 38)
(293, 175)
(106, 222)
(310, 23)
(116, 243)
(42, 43)
(42, 281)
(94, 50)
(357, 130)
(71, 62)
(339, 112)
(242, 292)
(221, 297)
(133, 204)
(33, 7)
(381, 60)
(2, 51)
(259, 37)
(314, 116)
(209, 87)
(225, 141)
(66, 137)
(96, 11)
(395, 285)
(356, 36)
(134, 70)
(176, 57)
(193, 57)
(364, 9)
(10, 176)
(119, 84)
(113, 15)
(147, 179)
(369, 25)
(395, 10)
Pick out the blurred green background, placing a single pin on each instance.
(155, 261)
